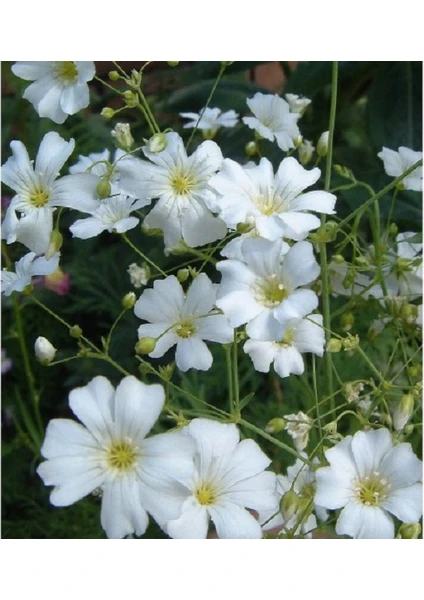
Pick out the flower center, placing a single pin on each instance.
(271, 292)
(66, 71)
(372, 490)
(39, 198)
(185, 329)
(288, 338)
(205, 494)
(270, 204)
(182, 183)
(122, 455)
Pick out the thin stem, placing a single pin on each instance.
(119, 317)
(230, 378)
(317, 410)
(143, 256)
(236, 378)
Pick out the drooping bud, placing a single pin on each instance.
(322, 145)
(403, 412)
(107, 112)
(251, 149)
(44, 351)
(275, 425)
(338, 259)
(114, 75)
(306, 152)
(145, 345)
(346, 321)
(289, 505)
(183, 275)
(409, 531)
(56, 241)
(103, 189)
(393, 230)
(157, 143)
(334, 345)
(130, 98)
(128, 300)
(75, 331)
(123, 137)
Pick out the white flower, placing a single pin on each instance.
(371, 480)
(301, 480)
(113, 214)
(60, 87)
(229, 478)
(273, 119)
(181, 184)
(298, 104)
(184, 320)
(44, 350)
(25, 269)
(396, 163)
(301, 335)
(263, 291)
(110, 451)
(38, 191)
(212, 119)
(274, 204)
(139, 276)
(298, 427)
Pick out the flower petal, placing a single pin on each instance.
(93, 405)
(192, 353)
(122, 511)
(233, 522)
(365, 522)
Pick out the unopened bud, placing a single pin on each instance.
(103, 189)
(362, 261)
(338, 259)
(251, 149)
(183, 275)
(409, 531)
(56, 241)
(275, 425)
(306, 152)
(393, 230)
(343, 172)
(123, 136)
(75, 331)
(114, 75)
(167, 371)
(403, 412)
(157, 143)
(289, 505)
(409, 312)
(107, 112)
(322, 145)
(128, 300)
(44, 351)
(334, 345)
(130, 98)
(173, 63)
(414, 371)
(145, 345)
(346, 321)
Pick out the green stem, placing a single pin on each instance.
(107, 344)
(317, 409)
(143, 256)
(322, 246)
(230, 378)
(236, 378)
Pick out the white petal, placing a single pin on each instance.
(265, 326)
(206, 160)
(261, 353)
(164, 303)
(200, 227)
(309, 335)
(406, 503)
(257, 493)
(92, 404)
(122, 510)
(74, 98)
(65, 437)
(77, 191)
(86, 70)
(365, 522)
(137, 408)
(200, 296)
(300, 303)
(49, 105)
(318, 201)
(392, 162)
(35, 229)
(401, 467)
(192, 524)
(233, 522)
(31, 70)
(300, 266)
(369, 449)
(239, 307)
(246, 462)
(87, 228)
(52, 154)
(216, 443)
(192, 353)
(288, 361)
(292, 179)
(215, 329)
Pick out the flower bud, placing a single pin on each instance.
(75, 331)
(251, 149)
(346, 321)
(306, 152)
(183, 275)
(322, 145)
(334, 345)
(393, 230)
(167, 371)
(103, 189)
(107, 112)
(123, 137)
(128, 300)
(409, 312)
(409, 531)
(362, 261)
(289, 505)
(157, 143)
(414, 371)
(343, 172)
(56, 241)
(403, 412)
(173, 63)
(298, 141)
(130, 98)
(44, 351)
(114, 75)
(275, 425)
(338, 259)
(145, 345)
